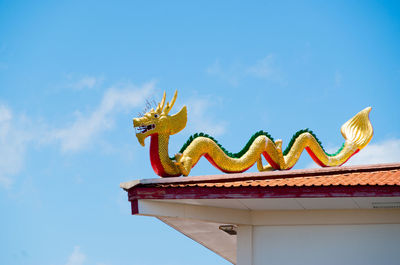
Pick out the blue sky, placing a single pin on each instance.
(73, 74)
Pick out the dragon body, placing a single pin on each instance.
(157, 124)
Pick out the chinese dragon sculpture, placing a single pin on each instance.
(157, 124)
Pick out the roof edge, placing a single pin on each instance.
(130, 184)
(262, 175)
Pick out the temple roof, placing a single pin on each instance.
(198, 206)
(355, 181)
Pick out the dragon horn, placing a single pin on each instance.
(169, 105)
(161, 104)
(174, 98)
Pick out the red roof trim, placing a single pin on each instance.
(365, 181)
(135, 206)
(261, 192)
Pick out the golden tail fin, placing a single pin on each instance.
(358, 129)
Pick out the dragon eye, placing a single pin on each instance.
(155, 115)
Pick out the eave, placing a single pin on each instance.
(197, 205)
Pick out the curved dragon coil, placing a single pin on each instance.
(157, 124)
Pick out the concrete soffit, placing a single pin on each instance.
(201, 223)
(268, 217)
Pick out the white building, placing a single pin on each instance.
(341, 215)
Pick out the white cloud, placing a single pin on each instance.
(199, 118)
(387, 151)
(77, 257)
(17, 132)
(230, 75)
(13, 141)
(86, 127)
(266, 69)
(86, 82)
(383, 152)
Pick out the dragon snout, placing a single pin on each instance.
(144, 128)
(141, 126)
(136, 122)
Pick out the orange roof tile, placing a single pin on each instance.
(372, 180)
(376, 178)
(379, 178)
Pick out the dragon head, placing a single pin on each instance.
(159, 122)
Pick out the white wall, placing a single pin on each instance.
(370, 244)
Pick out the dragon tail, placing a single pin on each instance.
(358, 129)
(357, 133)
